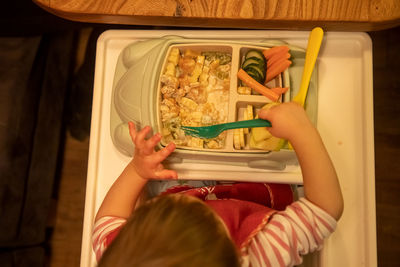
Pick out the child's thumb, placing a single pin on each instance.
(263, 114)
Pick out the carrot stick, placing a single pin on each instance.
(276, 57)
(279, 90)
(276, 63)
(249, 81)
(273, 50)
(272, 73)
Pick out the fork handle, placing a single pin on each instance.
(247, 124)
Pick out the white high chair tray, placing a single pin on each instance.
(345, 121)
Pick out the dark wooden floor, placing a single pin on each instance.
(386, 58)
(65, 242)
(66, 238)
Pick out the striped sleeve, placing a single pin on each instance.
(104, 231)
(298, 230)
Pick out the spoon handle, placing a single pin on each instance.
(314, 43)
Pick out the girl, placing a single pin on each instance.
(243, 224)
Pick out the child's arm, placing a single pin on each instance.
(321, 185)
(146, 164)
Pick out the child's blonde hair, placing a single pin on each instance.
(172, 230)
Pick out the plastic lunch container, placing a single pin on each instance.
(136, 97)
(344, 120)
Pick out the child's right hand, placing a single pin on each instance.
(289, 121)
(147, 161)
(321, 185)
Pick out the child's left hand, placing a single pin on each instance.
(147, 161)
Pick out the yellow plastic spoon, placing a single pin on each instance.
(314, 43)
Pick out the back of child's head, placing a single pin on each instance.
(172, 230)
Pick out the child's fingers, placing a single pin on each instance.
(167, 174)
(263, 114)
(151, 143)
(165, 152)
(132, 131)
(140, 142)
(270, 111)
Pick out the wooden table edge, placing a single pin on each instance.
(197, 22)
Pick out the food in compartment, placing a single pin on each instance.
(245, 118)
(195, 88)
(278, 56)
(279, 90)
(254, 64)
(261, 138)
(258, 87)
(277, 61)
(244, 90)
(239, 139)
(248, 115)
(249, 112)
(258, 138)
(260, 67)
(259, 134)
(194, 92)
(236, 139)
(271, 144)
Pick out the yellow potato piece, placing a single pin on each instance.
(244, 90)
(196, 142)
(250, 115)
(236, 139)
(198, 69)
(260, 133)
(245, 130)
(174, 56)
(188, 103)
(241, 136)
(191, 53)
(170, 69)
(270, 144)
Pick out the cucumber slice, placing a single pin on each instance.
(257, 69)
(253, 60)
(255, 75)
(256, 54)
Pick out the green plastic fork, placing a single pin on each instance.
(212, 131)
